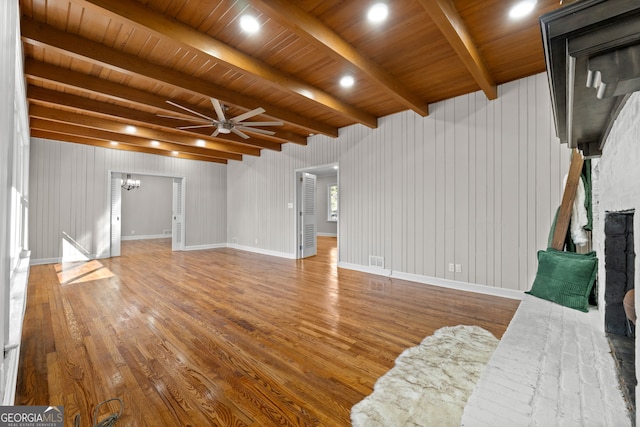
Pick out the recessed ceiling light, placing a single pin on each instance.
(249, 24)
(155, 143)
(200, 143)
(113, 143)
(130, 129)
(378, 12)
(175, 153)
(522, 9)
(347, 81)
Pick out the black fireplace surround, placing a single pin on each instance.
(619, 257)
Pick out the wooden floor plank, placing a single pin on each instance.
(225, 337)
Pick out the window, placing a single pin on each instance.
(332, 202)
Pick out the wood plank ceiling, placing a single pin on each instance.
(95, 66)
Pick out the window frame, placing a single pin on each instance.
(330, 217)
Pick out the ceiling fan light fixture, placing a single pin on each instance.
(222, 124)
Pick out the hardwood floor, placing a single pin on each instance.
(225, 337)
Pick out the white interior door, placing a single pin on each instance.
(177, 222)
(116, 213)
(308, 216)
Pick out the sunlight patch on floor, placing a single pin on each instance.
(80, 272)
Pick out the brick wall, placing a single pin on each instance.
(616, 179)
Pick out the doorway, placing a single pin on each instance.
(115, 202)
(314, 210)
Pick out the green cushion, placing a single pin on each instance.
(565, 278)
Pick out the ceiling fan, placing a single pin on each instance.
(223, 125)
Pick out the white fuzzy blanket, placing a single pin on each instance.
(430, 383)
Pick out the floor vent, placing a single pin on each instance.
(376, 261)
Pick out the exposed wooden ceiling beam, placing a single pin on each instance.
(314, 31)
(49, 97)
(41, 71)
(72, 129)
(45, 134)
(97, 123)
(43, 35)
(94, 85)
(191, 38)
(448, 20)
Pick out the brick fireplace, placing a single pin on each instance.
(591, 50)
(616, 197)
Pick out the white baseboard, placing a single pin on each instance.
(461, 286)
(436, 281)
(327, 234)
(60, 260)
(147, 237)
(205, 247)
(262, 251)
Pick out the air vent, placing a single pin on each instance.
(376, 261)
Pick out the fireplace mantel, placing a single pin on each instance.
(592, 52)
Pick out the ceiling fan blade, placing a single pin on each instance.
(239, 133)
(216, 132)
(192, 119)
(191, 111)
(248, 114)
(218, 107)
(195, 126)
(255, 130)
(261, 123)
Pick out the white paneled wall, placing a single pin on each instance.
(146, 211)
(69, 185)
(475, 183)
(14, 197)
(260, 189)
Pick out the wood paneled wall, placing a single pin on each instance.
(475, 183)
(68, 190)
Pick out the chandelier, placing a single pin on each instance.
(129, 183)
